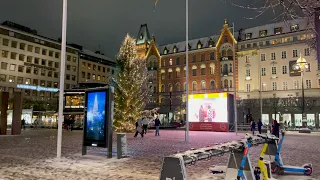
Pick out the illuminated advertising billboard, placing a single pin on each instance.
(96, 117)
(210, 112)
(208, 107)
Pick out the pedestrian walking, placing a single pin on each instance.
(35, 124)
(260, 126)
(157, 125)
(145, 123)
(139, 128)
(23, 124)
(275, 129)
(253, 126)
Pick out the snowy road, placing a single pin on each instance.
(31, 155)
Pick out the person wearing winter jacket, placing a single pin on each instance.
(157, 125)
(139, 129)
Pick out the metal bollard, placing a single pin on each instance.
(121, 145)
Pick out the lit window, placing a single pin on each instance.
(170, 62)
(285, 85)
(263, 57)
(278, 30)
(248, 35)
(294, 27)
(263, 33)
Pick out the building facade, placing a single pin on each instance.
(30, 59)
(262, 60)
(211, 67)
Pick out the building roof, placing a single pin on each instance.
(96, 55)
(270, 28)
(143, 35)
(181, 46)
(28, 32)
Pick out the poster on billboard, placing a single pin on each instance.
(96, 118)
(208, 112)
(292, 69)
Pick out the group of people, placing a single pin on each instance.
(275, 127)
(142, 126)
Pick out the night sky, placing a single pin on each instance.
(105, 22)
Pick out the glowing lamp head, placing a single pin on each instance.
(302, 63)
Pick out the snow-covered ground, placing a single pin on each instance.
(32, 156)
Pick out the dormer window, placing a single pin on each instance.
(263, 33)
(189, 47)
(165, 51)
(278, 30)
(199, 46)
(248, 35)
(175, 49)
(211, 43)
(294, 27)
(141, 36)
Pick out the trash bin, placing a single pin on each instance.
(121, 145)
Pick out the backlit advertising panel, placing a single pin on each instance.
(208, 112)
(95, 125)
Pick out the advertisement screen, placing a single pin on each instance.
(208, 107)
(95, 124)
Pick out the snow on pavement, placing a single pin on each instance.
(32, 156)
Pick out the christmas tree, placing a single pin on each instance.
(130, 87)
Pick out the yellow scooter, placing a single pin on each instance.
(264, 167)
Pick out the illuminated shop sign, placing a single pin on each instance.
(37, 88)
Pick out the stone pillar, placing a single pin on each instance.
(17, 112)
(4, 98)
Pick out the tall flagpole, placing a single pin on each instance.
(62, 72)
(187, 71)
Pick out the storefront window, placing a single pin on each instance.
(75, 101)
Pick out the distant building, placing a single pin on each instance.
(30, 59)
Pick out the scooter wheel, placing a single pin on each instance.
(275, 167)
(307, 170)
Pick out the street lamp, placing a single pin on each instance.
(302, 65)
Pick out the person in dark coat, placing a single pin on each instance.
(157, 125)
(139, 128)
(23, 124)
(276, 128)
(260, 126)
(253, 126)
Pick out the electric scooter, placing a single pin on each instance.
(264, 167)
(241, 175)
(278, 167)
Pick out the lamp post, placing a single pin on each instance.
(302, 65)
(187, 70)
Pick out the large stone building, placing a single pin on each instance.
(270, 51)
(30, 59)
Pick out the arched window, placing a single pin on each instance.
(194, 86)
(225, 83)
(163, 74)
(229, 52)
(169, 73)
(162, 88)
(230, 68)
(212, 84)
(230, 85)
(223, 53)
(203, 85)
(212, 66)
(177, 72)
(170, 88)
(178, 87)
(203, 69)
(184, 72)
(194, 70)
(225, 69)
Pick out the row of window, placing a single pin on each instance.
(94, 77)
(35, 60)
(194, 86)
(273, 56)
(273, 71)
(96, 68)
(203, 71)
(277, 41)
(277, 30)
(37, 50)
(274, 85)
(36, 71)
(199, 46)
(193, 59)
